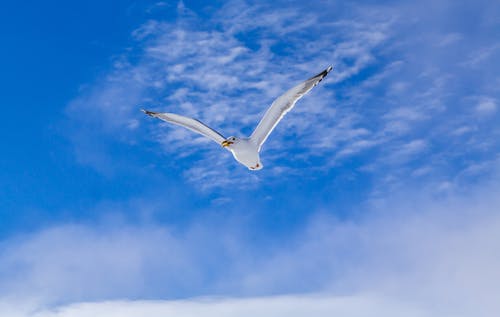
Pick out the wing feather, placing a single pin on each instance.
(281, 106)
(188, 123)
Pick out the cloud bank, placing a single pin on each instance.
(289, 306)
(437, 257)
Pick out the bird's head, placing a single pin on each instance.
(227, 142)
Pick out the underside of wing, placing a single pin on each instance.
(282, 105)
(189, 123)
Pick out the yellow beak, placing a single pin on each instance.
(226, 143)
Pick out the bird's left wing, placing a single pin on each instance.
(189, 123)
(281, 106)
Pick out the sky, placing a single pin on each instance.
(379, 195)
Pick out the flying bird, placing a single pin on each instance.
(246, 150)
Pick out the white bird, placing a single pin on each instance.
(246, 150)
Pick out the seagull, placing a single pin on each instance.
(246, 150)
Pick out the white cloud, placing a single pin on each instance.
(407, 151)
(481, 55)
(486, 106)
(462, 130)
(450, 39)
(428, 254)
(289, 306)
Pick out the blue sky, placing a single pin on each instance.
(379, 192)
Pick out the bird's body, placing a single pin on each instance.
(246, 150)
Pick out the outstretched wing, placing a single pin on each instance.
(281, 106)
(189, 123)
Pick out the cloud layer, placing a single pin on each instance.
(435, 257)
(289, 306)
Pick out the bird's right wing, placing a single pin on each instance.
(189, 123)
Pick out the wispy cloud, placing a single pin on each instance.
(220, 73)
(486, 106)
(477, 57)
(388, 88)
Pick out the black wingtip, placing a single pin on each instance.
(323, 73)
(149, 113)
